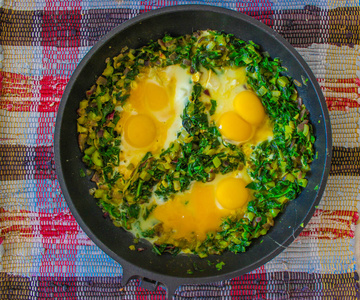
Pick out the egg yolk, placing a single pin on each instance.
(191, 214)
(231, 193)
(233, 127)
(249, 107)
(140, 131)
(156, 96)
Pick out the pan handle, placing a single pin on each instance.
(151, 285)
(148, 284)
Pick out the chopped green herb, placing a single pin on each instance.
(304, 79)
(278, 167)
(213, 107)
(220, 265)
(197, 268)
(82, 173)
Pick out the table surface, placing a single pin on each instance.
(43, 251)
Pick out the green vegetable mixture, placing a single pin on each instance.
(277, 167)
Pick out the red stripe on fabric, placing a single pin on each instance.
(56, 225)
(332, 80)
(17, 106)
(59, 226)
(61, 28)
(348, 87)
(57, 288)
(1, 83)
(328, 233)
(51, 91)
(17, 89)
(342, 104)
(61, 24)
(58, 231)
(250, 286)
(147, 294)
(150, 5)
(24, 231)
(62, 5)
(317, 228)
(44, 159)
(16, 85)
(342, 89)
(52, 86)
(258, 9)
(353, 214)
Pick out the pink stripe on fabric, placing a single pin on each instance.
(59, 29)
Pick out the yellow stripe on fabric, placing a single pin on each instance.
(336, 256)
(19, 244)
(18, 127)
(20, 4)
(19, 257)
(343, 23)
(20, 30)
(341, 193)
(342, 3)
(327, 221)
(331, 61)
(300, 256)
(345, 127)
(16, 195)
(22, 59)
(13, 195)
(342, 59)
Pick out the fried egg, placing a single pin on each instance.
(150, 119)
(199, 210)
(240, 115)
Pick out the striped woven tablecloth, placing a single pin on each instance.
(44, 253)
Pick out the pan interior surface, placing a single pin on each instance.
(181, 20)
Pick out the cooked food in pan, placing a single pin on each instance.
(197, 142)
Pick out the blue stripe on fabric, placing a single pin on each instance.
(37, 252)
(32, 125)
(95, 4)
(59, 61)
(299, 4)
(136, 5)
(46, 136)
(52, 200)
(225, 4)
(92, 261)
(30, 131)
(82, 52)
(37, 195)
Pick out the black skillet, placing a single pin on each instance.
(167, 270)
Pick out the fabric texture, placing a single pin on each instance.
(44, 254)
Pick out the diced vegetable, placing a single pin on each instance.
(278, 167)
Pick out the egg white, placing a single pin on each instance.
(178, 85)
(223, 86)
